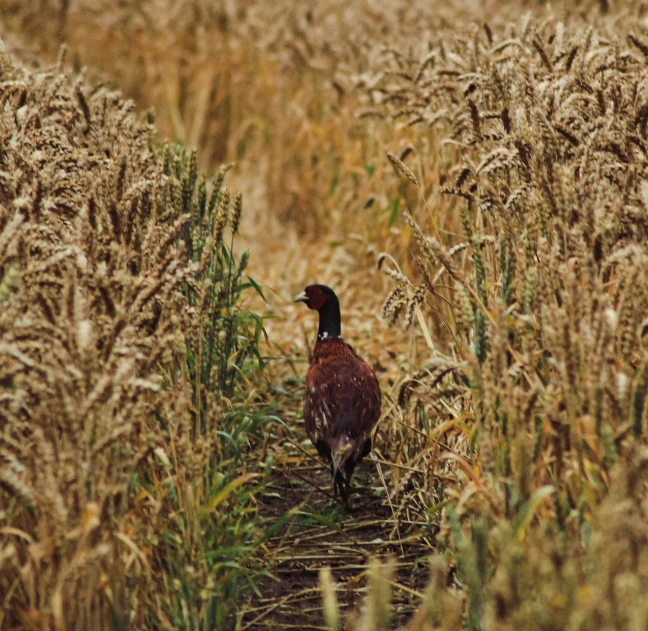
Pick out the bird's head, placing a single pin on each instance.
(316, 296)
(323, 300)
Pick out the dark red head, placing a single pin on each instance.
(316, 296)
(323, 300)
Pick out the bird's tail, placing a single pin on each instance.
(340, 453)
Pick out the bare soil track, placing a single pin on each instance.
(319, 533)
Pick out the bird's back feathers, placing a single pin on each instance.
(341, 402)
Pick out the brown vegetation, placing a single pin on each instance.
(114, 401)
(541, 374)
(514, 148)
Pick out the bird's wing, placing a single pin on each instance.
(318, 413)
(342, 396)
(362, 397)
(350, 396)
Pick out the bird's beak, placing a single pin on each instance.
(301, 297)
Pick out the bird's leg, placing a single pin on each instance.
(349, 469)
(339, 484)
(344, 491)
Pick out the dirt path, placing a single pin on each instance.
(321, 533)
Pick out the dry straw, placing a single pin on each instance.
(519, 446)
(108, 440)
(551, 403)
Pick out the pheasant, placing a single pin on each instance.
(342, 396)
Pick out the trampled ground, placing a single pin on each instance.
(320, 532)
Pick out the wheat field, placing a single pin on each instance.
(471, 181)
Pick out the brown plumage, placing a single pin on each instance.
(342, 397)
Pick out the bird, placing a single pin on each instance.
(342, 395)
